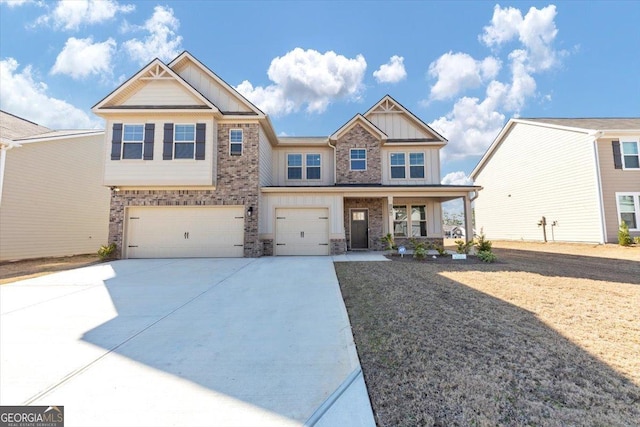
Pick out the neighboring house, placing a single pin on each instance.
(196, 170)
(52, 199)
(581, 175)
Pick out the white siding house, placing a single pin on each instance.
(53, 202)
(565, 170)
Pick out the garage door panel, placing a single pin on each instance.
(302, 231)
(185, 232)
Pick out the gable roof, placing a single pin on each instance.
(387, 99)
(590, 126)
(13, 127)
(154, 70)
(362, 120)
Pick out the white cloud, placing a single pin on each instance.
(81, 57)
(162, 41)
(22, 95)
(71, 14)
(307, 77)
(456, 72)
(391, 72)
(15, 3)
(456, 178)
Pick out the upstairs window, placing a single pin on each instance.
(313, 166)
(397, 166)
(416, 165)
(132, 141)
(358, 159)
(184, 139)
(630, 154)
(235, 142)
(294, 166)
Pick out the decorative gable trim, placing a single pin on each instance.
(361, 120)
(154, 71)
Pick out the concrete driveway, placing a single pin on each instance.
(197, 342)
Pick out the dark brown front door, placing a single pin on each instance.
(359, 229)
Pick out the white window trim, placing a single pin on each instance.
(409, 221)
(365, 159)
(235, 143)
(132, 142)
(175, 128)
(407, 165)
(622, 141)
(636, 206)
(303, 167)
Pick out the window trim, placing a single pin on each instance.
(241, 143)
(351, 159)
(636, 207)
(175, 141)
(624, 156)
(407, 166)
(303, 167)
(404, 165)
(306, 166)
(408, 208)
(132, 142)
(424, 166)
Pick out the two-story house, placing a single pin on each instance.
(581, 174)
(196, 170)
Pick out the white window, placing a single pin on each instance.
(358, 159)
(294, 166)
(235, 142)
(629, 209)
(313, 165)
(416, 222)
(630, 154)
(397, 166)
(132, 141)
(184, 141)
(416, 165)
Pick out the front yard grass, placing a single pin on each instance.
(536, 339)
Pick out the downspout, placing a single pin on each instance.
(603, 228)
(335, 162)
(4, 147)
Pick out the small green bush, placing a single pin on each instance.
(636, 240)
(441, 250)
(482, 244)
(487, 256)
(107, 251)
(388, 240)
(463, 247)
(624, 238)
(420, 252)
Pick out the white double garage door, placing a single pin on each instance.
(204, 232)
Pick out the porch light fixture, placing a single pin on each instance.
(114, 188)
(250, 211)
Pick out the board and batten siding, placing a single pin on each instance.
(538, 171)
(396, 126)
(211, 89)
(53, 201)
(326, 166)
(159, 172)
(614, 180)
(431, 163)
(266, 160)
(162, 92)
(271, 202)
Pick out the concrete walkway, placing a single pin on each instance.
(198, 342)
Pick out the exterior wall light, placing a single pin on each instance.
(250, 211)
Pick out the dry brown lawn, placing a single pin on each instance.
(539, 338)
(27, 269)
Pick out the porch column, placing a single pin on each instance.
(390, 214)
(468, 218)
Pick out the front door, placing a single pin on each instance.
(359, 229)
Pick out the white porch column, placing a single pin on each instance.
(390, 214)
(468, 218)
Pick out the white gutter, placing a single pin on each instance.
(603, 228)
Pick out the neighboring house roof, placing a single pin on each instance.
(585, 125)
(304, 140)
(13, 127)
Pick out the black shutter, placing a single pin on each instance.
(617, 156)
(200, 140)
(116, 141)
(167, 152)
(149, 130)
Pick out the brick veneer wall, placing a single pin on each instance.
(358, 137)
(338, 246)
(237, 184)
(376, 220)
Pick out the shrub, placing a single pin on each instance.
(482, 244)
(441, 250)
(624, 238)
(636, 240)
(388, 239)
(487, 256)
(420, 252)
(463, 247)
(106, 252)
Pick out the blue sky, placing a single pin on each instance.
(465, 68)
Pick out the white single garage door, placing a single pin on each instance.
(185, 232)
(302, 231)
